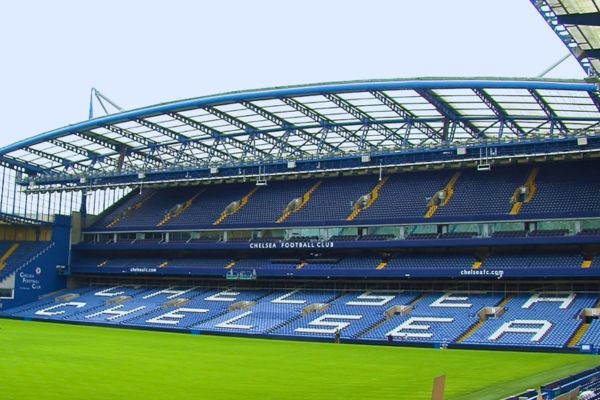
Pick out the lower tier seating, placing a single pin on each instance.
(540, 320)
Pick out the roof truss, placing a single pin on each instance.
(308, 122)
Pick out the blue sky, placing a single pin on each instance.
(145, 52)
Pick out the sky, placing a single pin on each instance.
(140, 53)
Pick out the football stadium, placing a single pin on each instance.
(426, 238)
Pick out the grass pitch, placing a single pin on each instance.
(55, 361)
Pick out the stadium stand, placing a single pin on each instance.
(403, 197)
(482, 319)
(437, 235)
(429, 212)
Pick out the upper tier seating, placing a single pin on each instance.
(559, 190)
(154, 208)
(479, 192)
(333, 199)
(210, 203)
(565, 189)
(269, 202)
(405, 195)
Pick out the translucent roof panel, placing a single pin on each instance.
(308, 122)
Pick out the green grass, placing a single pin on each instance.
(54, 361)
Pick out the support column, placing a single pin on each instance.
(83, 208)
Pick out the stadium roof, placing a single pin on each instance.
(312, 121)
(577, 23)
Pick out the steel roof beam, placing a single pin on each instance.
(63, 162)
(216, 135)
(411, 118)
(150, 145)
(118, 147)
(184, 140)
(365, 118)
(21, 166)
(327, 124)
(589, 19)
(449, 112)
(153, 145)
(18, 219)
(595, 96)
(93, 156)
(255, 133)
(593, 53)
(554, 119)
(499, 111)
(287, 127)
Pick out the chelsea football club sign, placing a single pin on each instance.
(291, 245)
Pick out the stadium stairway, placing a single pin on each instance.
(235, 207)
(448, 190)
(578, 335)
(386, 317)
(583, 329)
(7, 254)
(372, 197)
(531, 188)
(481, 321)
(381, 265)
(471, 330)
(122, 212)
(230, 264)
(174, 213)
(305, 199)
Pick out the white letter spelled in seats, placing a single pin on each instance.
(369, 299)
(172, 292)
(49, 311)
(332, 326)
(109, 292)
(225, 295)
(565, 301)
(407, 328)
(447, 300)
(230, 322)
(175, 316)
(513, 327)
(284, 299)
(115, 312)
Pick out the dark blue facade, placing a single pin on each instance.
(39, 277)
